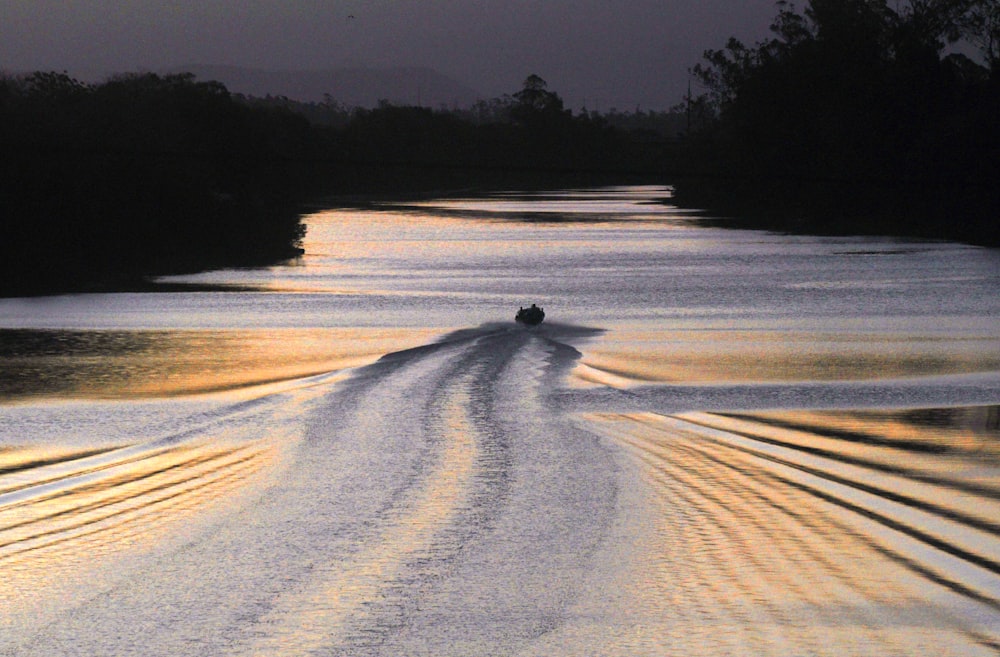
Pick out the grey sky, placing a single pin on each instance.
(602, 52)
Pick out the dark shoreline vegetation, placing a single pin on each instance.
(855, 118)
(851, 119)
(106, 185)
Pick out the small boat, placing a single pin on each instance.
(530, 316)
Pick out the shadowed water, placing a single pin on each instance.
(719, 442)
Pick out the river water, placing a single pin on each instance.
(719, 442)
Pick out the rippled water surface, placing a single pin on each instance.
(719, 442)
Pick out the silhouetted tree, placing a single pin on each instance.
(143, 174)
(851, 111)
(980, 25)
(538, 109)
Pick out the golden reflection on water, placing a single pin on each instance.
(15, 461)
(136, 364)
(64, 511)
(791, 532)
(966, 432)
(634, 356)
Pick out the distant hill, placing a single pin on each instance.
(354, 87)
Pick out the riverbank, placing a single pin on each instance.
(963, 212)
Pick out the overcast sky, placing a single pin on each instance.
(605, 53)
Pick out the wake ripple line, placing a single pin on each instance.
(865, 504)
(688, 484)
(119, 504)
(724, 480)
(694, 484)
(885, 494)
(775, 478)
(989, 492)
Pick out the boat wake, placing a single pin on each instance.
(460, 498)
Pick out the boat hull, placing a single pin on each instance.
(530, 316)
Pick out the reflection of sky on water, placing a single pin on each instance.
(123, 364)
(678, 302)
(716, 356)
(765, 444)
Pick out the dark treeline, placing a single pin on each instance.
(141, 175)
(104, 185)
(853, 117)
(523, 134)
(856, 117)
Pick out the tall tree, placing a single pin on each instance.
(537, 107)
(858, 94)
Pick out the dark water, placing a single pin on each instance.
(719, 442)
